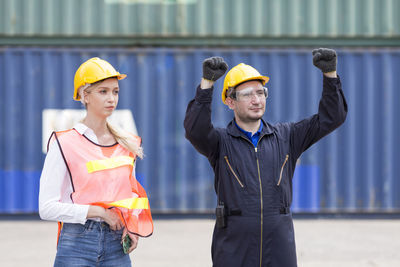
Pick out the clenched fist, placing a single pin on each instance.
(325, 59)
(214, 68)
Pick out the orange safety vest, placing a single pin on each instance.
(102, 176)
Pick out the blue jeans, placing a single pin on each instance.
(92, 244)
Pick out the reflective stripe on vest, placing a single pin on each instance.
(105, 164)
(104, 176)
(132, 203)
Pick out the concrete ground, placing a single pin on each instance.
(187, 242)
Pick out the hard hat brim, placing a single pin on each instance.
(263, 79)
(119, 77)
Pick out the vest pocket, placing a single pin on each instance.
(282, 168)
(233, 172)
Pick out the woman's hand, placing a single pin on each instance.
(134, 240)
(110, 216)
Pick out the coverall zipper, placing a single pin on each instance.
(234, 174)
(283, 166)
(261, 201)
(261, 195)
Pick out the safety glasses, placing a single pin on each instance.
(249, 93)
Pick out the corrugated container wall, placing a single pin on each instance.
(326, 18)
(354, 169)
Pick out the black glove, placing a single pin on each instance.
(214, 68)
(325, 59)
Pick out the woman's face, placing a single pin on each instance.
(102, 98)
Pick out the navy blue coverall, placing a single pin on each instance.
(255, 183)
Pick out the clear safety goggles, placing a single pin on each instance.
(250, 93)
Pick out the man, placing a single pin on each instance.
(254, 161)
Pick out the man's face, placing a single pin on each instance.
(249, 103)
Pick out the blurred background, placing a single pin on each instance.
(160, 45)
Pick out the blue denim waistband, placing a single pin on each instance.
(90, 224)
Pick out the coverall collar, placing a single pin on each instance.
(234, 131)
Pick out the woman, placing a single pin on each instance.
(88, 180)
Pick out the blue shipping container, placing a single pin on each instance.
(352, 170)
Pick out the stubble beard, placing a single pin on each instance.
(249, 118)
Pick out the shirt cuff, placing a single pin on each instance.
(204, 95)
(331, 83)
(81, 213)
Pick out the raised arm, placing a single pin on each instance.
(198, 126)
(332, 109)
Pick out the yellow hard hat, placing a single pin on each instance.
(239, 74)
(94, 70)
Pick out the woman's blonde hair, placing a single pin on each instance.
(126, 140)
(121, 136)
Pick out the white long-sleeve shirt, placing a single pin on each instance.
(55, 202)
